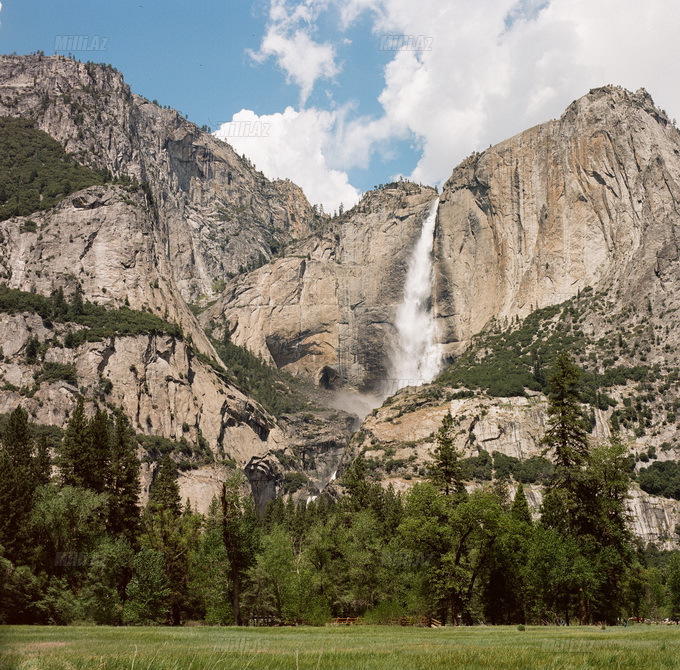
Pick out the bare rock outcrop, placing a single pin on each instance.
(156, 379)
(101, 239)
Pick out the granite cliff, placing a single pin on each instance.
(590, 199)
(216, 214)
(326, 309)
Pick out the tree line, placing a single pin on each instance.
(76, 546)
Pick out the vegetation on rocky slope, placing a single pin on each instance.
(97, 322)
(511, 360)
(35, 171)
(278, 392)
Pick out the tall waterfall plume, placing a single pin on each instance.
(416, 355)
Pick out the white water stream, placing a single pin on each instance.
(416, 355)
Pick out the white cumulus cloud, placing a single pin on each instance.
(492, 69)
(293, 144)
(289, 40)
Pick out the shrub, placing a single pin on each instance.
(294, 481)
(278, 392)
(98, 321)
(52, 372)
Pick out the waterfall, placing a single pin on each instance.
(416, 355)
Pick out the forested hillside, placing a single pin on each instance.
(439, 551)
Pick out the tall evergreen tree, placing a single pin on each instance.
(238, 527)
(566, 434)
(85, 450)
(586, 500)
(77, 304)
(23, 467)
(123, 482)
(446, 471)
(73, 446)
(520, 506)
(172, 533)
(164, 494)
(60, 308)
(673, 583)
(361, 492)
(94, 461)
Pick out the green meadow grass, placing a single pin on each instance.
(339, 648)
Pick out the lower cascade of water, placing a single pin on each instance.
(416, 355)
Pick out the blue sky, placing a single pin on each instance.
(331, 110)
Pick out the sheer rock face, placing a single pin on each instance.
(215, 212)
(205, 212)
(326, 310)
(103, 239)
(591, 199)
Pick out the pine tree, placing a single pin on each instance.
(23, 467)
(94, 461)
(77, 305)
(520, 506)
(172, 533)
(164, 494)
(537, 369)
(123, 482)
(566, 432)
(238, 528)
(673, 584)
(586, 500)
(361, 493)
(60, 308)
(446, 471)
(73, 445)
(85, 450)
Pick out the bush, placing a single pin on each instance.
(528, 471)
(52, 372)
(477, 467)
(59, 605)
(294, 481)
(148, 590)
(384, 612)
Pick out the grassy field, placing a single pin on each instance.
(356, 648)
